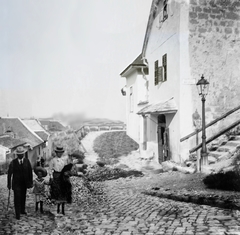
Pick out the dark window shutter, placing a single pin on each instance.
(156, 72)
(164, 63)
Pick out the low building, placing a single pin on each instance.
(17, 129)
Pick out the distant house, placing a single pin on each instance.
(183, 40)
(52, 125)
(35, 126)
(8, 144)
(17, 129)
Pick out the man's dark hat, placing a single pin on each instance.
(59, 149)
(43, 170)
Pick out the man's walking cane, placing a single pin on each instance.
(9, 191)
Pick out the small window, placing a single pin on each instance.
(165, 10)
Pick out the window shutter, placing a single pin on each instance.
(156, 72)
(160, 74)
(164, 63)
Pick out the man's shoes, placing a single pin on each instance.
(24, 213)
(18, 217)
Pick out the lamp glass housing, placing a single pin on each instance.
(202, 86)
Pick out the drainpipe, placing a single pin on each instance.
(144, 132)
(144, 76)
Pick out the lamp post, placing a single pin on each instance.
(203, 86)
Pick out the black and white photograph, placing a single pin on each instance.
(120, 117)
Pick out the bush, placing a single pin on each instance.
(79, 155)
(111, 145)
(100, 163)
(223, 181)
(106, 173)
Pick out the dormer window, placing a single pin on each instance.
(9, 129)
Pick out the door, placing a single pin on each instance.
(163, 139)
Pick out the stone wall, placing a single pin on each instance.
(214, 40)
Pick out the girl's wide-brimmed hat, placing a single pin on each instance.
(41, 169)
(59, 149)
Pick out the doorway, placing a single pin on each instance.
(163, 139)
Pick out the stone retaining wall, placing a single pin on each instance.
(214, 41)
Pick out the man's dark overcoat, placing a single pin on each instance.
(14, 172)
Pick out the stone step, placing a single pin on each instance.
(215, 154)
(235, 137)
(227, 148)
(223, 149)
(233, 143)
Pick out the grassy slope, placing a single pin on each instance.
(111, 145)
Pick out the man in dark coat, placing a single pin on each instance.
(20, 177)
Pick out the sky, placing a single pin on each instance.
(59, 56)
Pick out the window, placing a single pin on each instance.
(131, 99)
(164, 63)
(165, 10)
(160, 72)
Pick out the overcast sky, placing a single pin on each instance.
(66, 56)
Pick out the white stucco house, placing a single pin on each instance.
(184, 39)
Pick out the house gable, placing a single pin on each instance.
(37, 128)
(136, 64)
(19, 130)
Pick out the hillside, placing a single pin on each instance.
(111, 145)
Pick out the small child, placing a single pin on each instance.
(39, 187)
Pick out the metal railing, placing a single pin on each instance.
(210, 124)
(85, 129)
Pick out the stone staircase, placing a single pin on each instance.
(224, 148)
(221, 152)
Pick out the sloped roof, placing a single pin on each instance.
(135, 64)
(168, 106)
(21, 130)
(10, 142)
(52, 125)
(43, 135)
(35, 126)
(152, 15)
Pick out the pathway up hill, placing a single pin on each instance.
(174, 184)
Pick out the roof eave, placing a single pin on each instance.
(158, 112)
(131, 68)
(148, 30)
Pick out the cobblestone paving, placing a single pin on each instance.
(123, 210)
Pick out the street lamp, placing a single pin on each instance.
(203, 86)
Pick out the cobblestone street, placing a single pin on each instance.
(123, 210)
